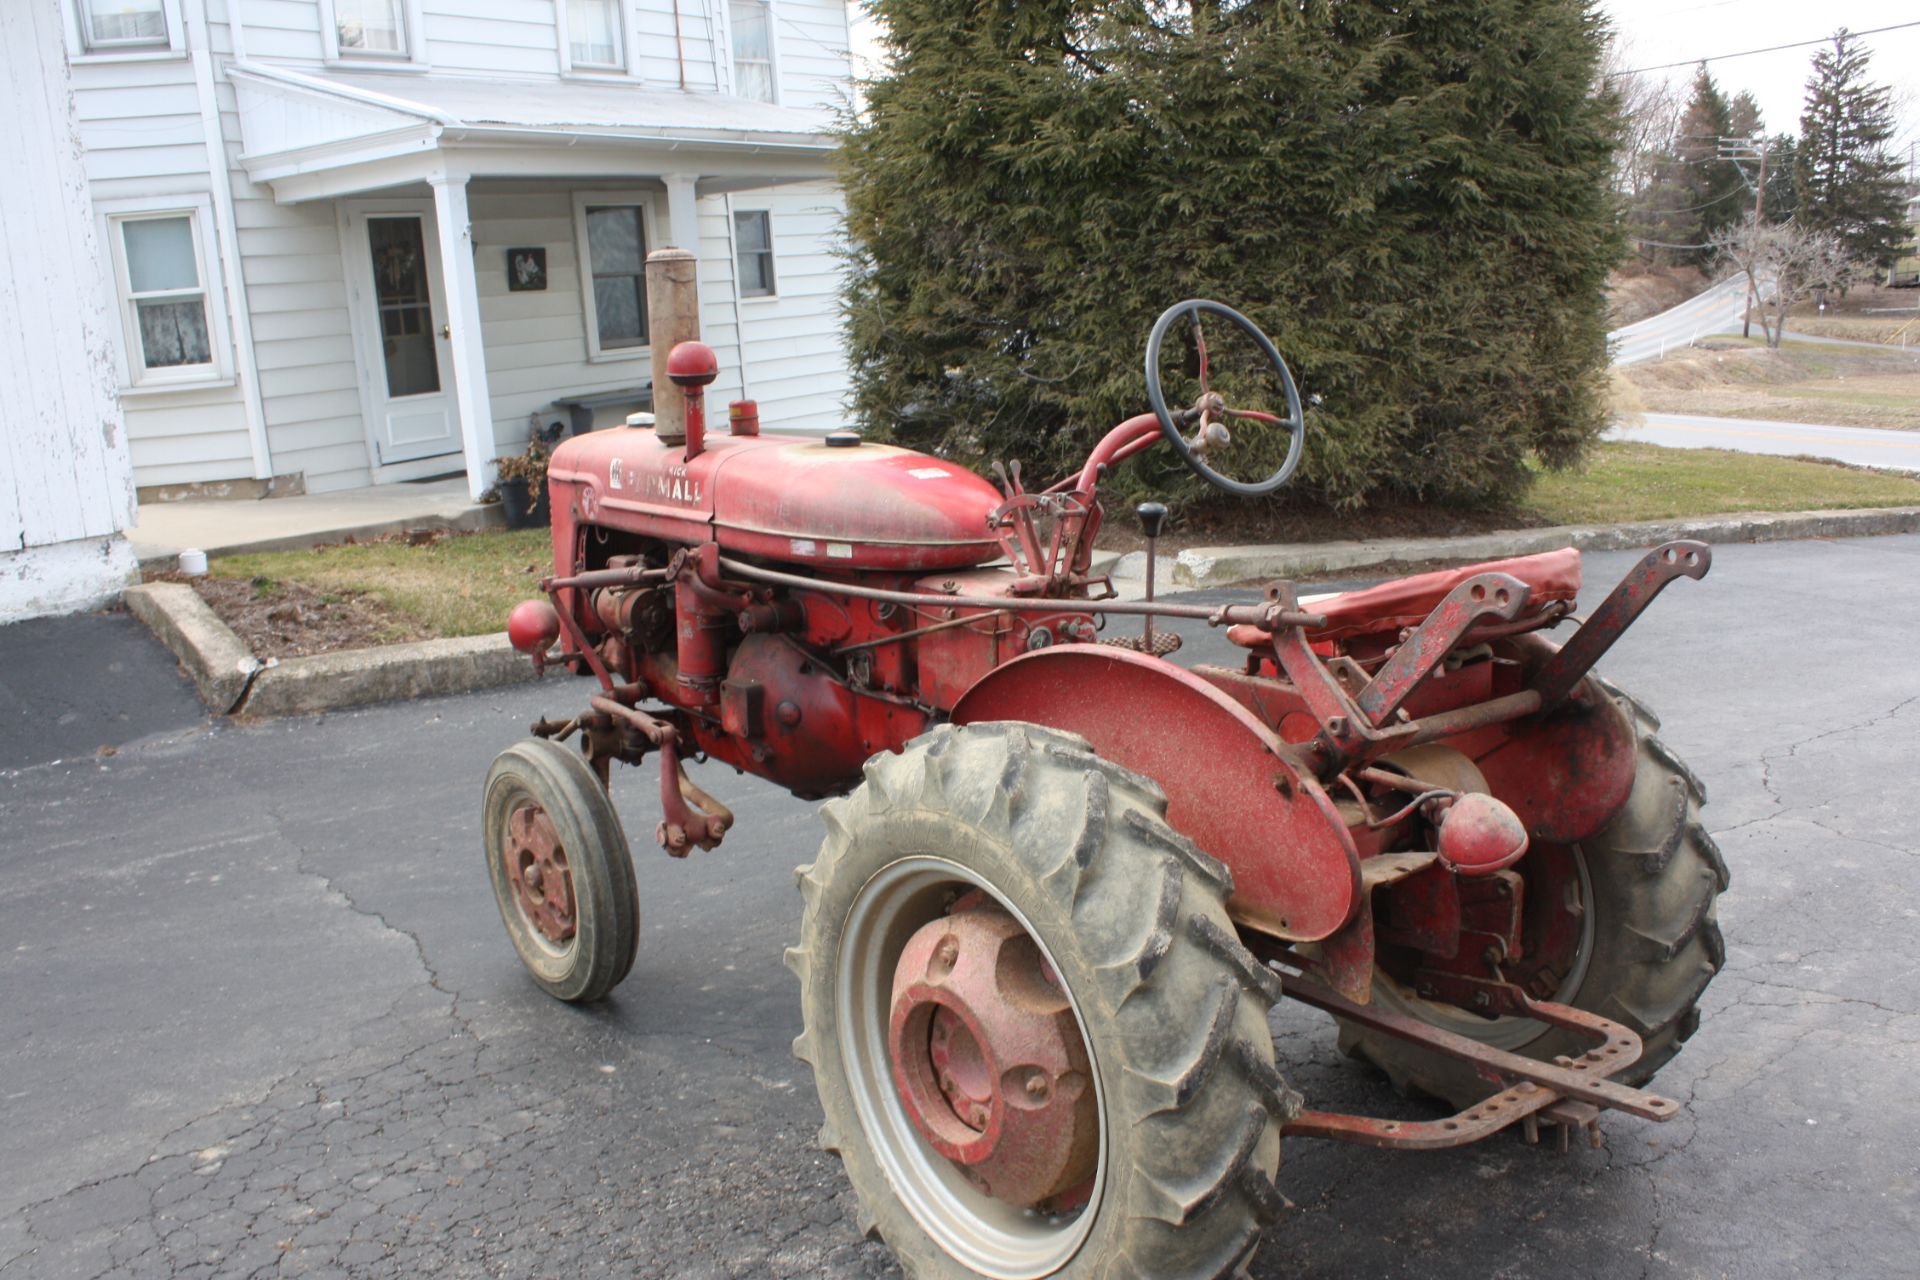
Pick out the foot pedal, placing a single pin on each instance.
(1164, 643)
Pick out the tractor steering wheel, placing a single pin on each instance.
(1209, 415)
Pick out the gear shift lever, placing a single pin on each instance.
(1152, 516)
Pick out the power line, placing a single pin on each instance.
(1748, 53)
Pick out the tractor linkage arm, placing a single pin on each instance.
(1567, 1092)
(1357, 728)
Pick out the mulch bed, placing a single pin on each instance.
(289, 620)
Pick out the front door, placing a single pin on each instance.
(401, 319)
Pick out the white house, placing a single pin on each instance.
(66, 488)
(363, 241)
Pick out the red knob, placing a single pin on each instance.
(533, 626)
(692, 364)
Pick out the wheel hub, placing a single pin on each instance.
(542, 882)
(988, 1059)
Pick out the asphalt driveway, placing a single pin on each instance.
(260, 1017)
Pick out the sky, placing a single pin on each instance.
(1657, 31)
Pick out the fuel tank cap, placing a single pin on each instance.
(843, 439)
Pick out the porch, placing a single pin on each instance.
(488, 254)
(224, 527)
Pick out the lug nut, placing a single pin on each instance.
(532, 877)
(1037, 1085)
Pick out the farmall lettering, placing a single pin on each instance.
(674, 486)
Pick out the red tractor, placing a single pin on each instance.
(1064, 880)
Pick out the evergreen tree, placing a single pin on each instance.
(1743, 117)
(1782, 160)
(1704, 193)
(1845, 179)
(1411, 199)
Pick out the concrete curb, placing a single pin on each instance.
(207, 647)
(356, 677)
(1227, 566)
(233, 682)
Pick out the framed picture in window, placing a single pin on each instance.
(526, 270)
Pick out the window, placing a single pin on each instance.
(613, 256)
(174, 330)
(753, 246)
(110, 25)
(370, 29)
(593, 36)
(123, 30)
(752, 49)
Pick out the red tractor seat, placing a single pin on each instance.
(1553, 576)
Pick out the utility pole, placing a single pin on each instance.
(1736, 150)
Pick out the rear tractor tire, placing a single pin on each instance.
(1651, 942)
(1039, 1046)
(561, 870)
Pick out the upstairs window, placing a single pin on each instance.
(752, 50)
(593, 36)
(370, 29)
(753, 246)
(109, 26)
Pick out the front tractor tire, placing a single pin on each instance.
(561, 870)
(1651, 943)
(1039, 1046)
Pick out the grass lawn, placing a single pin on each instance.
(457, 586)
(464, 585)
(1645, 482)
(1798, 382)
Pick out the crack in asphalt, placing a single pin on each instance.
(1792, 749)
(332, 886)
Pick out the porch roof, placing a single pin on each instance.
(310, 136)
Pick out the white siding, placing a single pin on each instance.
(509, 38)
(140, 125)
(812, 51)
(492, 37)
(536, 341)
(283, 30)
(67, 488)
(795, 360)
(302, 336)
(700, 35)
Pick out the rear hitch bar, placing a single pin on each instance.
(1684, 558)
(1569, 1091)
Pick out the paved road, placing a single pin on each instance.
(261, 1019)
(1859, 446)
(1716, 310)
(86, 685)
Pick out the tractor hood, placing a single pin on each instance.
(793, 499)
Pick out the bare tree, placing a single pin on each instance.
(1785, 264)
(1649, 108)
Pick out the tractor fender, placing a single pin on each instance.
(1566, 773)
(1231, 786)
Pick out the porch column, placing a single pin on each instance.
(463, 320)
(683, 214)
